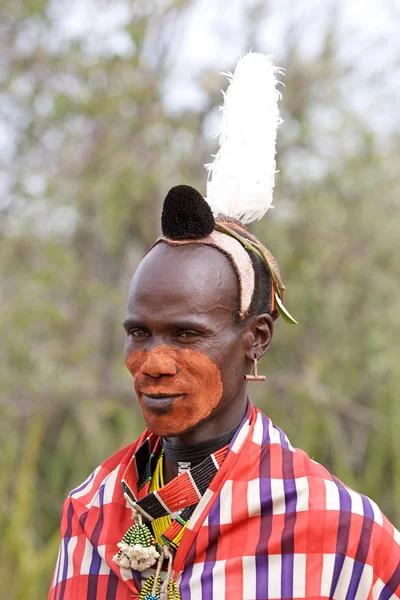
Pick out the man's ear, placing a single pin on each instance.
(261, 329)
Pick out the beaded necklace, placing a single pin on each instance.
(175, 501)
(162, 524)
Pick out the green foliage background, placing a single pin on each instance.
(89, 148)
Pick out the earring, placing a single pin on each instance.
(254, 376)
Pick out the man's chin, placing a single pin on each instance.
(166, 426)
(165, 431)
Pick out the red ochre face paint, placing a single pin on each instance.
(176, 388)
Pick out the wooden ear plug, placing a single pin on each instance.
(254, 376)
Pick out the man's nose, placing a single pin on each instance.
(158, 363)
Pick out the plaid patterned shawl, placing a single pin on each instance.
(273, 524)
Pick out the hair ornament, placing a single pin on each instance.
(242, 177)
(240, 181)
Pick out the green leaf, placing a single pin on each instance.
(283, 311)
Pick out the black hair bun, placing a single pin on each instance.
(186, 215)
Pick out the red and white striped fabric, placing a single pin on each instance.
(273, 524)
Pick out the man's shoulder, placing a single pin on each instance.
(331, 520)
(313, 488)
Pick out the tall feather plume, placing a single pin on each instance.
(242, 177)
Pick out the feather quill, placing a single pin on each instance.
(242, 177)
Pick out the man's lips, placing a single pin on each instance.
(159, 401)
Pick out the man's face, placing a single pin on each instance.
(183, 345)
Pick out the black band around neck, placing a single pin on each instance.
(176, 453)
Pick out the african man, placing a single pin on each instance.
(212, 501)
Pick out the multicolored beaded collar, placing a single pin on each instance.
(177, 500)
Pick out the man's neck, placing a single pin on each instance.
(193, 446)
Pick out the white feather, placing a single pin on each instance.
(242, 177)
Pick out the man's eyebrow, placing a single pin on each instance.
(131, 322)
(189, 324)
(181, 324)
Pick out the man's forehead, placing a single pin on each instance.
(186, 257)
(189, 277)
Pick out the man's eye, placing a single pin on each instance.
(188, 334)
(138, 333)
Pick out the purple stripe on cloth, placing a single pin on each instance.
(362, 550)
(95, 564)
(137, 578)
(266, 516)
(287, 543)
(342, 534)
(366, 531)
(66, 540)
(184, 586)
(214, 514)
(57, 577)
(356, 574)
(82, 486)
(391, 585)
(282, 437)
(57, 574)
(112, 586)
(94, 538)
(265, 434)
(214, 531)
(82, 520)
(206, 579)
(191, 555)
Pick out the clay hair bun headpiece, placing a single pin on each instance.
(240, 183)
(186, 215)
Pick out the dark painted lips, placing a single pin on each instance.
(159, 401)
